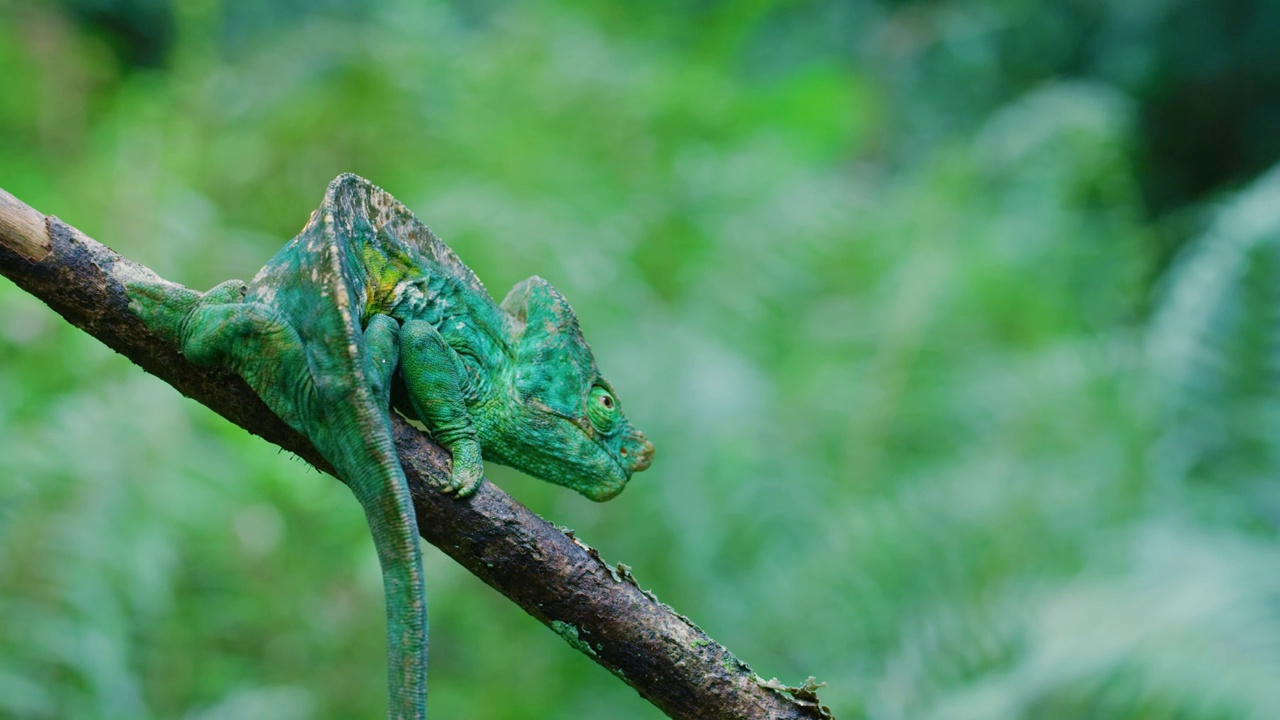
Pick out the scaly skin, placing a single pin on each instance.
(366, 310)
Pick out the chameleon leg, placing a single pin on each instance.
(432, 373)
(382, 342)
(253, 340)
(166, 308)
(219, 328)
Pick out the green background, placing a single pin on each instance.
(956, 326)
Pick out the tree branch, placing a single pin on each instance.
(600, 610)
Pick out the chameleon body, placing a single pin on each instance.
(366, 312)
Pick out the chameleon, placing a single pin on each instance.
(366, 312)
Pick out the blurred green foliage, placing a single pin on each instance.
(955, 325)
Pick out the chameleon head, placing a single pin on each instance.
(563, 422)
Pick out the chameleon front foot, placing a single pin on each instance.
(467, 471)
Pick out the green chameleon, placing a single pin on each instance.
(365, 311)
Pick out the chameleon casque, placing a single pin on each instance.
(366, 312)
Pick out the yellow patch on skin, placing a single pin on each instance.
(385, 273)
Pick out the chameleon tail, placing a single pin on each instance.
(383, 492)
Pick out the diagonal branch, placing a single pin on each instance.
(598, 609)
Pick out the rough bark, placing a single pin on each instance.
(598, 609)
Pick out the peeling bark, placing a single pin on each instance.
(599, 610)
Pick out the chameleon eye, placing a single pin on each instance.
(602, 409)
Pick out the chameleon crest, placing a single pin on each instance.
(365, 312)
